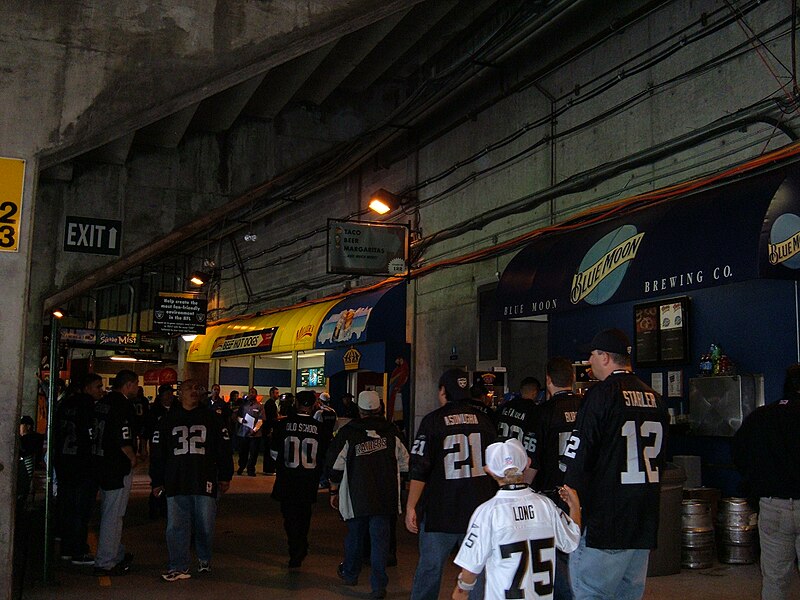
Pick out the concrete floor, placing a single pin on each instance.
(250, 561)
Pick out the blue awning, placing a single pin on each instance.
(742, 230)
(378, 316)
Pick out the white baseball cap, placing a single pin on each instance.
(502, 456)
(369, 400)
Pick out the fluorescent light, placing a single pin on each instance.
(123, 358)
(189, 337)
(379, 206)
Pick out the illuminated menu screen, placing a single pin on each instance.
(662, 333)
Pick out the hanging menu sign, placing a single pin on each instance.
(662, 332)
(176, 312)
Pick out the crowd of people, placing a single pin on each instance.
(548, 495)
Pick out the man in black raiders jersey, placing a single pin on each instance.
(192, 464)
(516, 418)
(479, 399)
(447, 480)
(614, 459)
(72, 458)
(114, 458)
(555, 421)
(295, 449)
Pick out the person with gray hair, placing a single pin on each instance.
(766, 450)
(365, 462)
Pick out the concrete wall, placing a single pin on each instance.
(663, 109)
(76, 82)
(79, 74)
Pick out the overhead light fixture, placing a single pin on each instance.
(58, 313)
(123, 358)
(383, 201)
(199, 278)
(188, 337)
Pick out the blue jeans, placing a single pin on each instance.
(435, 548)
(598, 574)
(113, 504)
(185, 513)
(779, 535)
(562, 589)
(357, 528)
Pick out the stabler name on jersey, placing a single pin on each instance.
(640, 399)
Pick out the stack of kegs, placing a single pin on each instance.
(737, 532)
(697, 535)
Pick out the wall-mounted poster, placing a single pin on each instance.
(662, 332)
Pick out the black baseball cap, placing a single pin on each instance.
(165, 388)
(609, 340)
(306, 398)
(456, 384)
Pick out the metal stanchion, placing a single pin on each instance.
(51, 402)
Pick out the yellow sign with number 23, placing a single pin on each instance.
(12, 177)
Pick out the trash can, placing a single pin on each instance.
(666, 558)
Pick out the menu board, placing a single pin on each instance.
(662, 332)
(312, 377)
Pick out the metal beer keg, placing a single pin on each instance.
(737, 532)
(697, 535)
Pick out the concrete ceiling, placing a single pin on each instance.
(433, 51)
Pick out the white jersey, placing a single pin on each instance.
(515, 536)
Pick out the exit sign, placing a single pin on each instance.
(92, 236)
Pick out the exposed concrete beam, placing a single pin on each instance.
(112, 153)
(218, 113)
(349, 52)
(282, 82)
(441, 34)
(62, 172)
(402, 38)
(169, 131)
(272, 52)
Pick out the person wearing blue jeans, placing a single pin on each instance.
(600, 573)
(766, 450)
(192, 464)
(113, 458)
(435, 548)
(365, 462)
(448, 481)
(189, 514)
(377, 527)
(111, 555)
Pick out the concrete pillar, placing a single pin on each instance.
(14, 273)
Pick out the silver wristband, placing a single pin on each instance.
(463, 585)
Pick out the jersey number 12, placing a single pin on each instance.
(635, 445)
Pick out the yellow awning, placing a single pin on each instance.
(283, 331)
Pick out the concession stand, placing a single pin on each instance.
(711, 264)
(347, 344)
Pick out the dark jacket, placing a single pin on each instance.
(366, 459)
